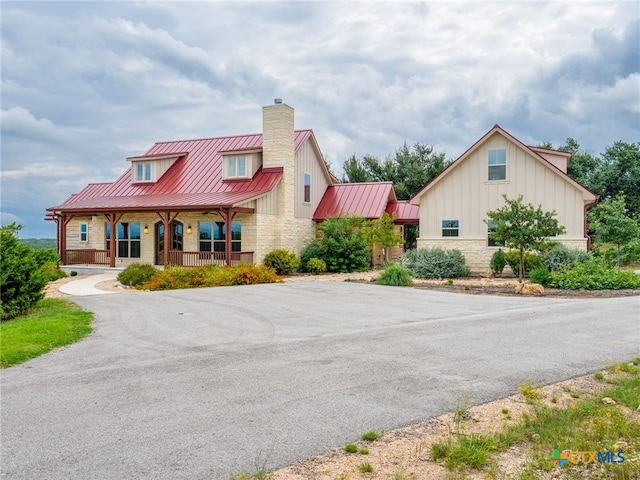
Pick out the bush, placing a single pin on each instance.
(395, 275)
(345, 246)
(313, 250)
(560, 257)
(435, 263)
(540, 275)
(629, 253)
(595, 274)
(282, 261)
(22, 278)
(136, 274)
(52, 272)
(173, 277)
(316, 266)
(497, 263)
(531, 261)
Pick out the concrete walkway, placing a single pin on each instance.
(87, 285)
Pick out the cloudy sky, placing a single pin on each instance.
(87, 84)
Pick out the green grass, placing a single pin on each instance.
(369, 436)
(51, 324)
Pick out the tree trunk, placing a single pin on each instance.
(521, 269)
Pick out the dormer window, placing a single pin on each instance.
(237, 166)
(143, 171)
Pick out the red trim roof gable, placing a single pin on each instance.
(368, 200)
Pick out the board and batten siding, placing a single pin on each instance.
(308, 161)
(465, 194)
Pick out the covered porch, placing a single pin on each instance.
(182, 237)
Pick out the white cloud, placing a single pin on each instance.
(86, 84)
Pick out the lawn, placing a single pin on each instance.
(52, 323)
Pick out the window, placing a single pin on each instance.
(128, 239)
(449, 228)
(497, 164)
(490, 241)
(237, 166)
(143, 171)
(84, 232)
(307, 187)
(213, 236)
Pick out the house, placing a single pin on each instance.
(177, 202)
(454, 205)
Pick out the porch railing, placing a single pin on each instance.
(199, 259)
(88, 256)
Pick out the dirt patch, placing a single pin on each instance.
(406, 452)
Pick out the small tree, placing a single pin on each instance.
(382, 232)
(611, 223)
(522, 226)
(22, 279)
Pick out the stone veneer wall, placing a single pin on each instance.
(476, 253)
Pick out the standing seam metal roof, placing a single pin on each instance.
(194, 179)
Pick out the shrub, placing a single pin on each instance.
(351, 448)
(316, 266)
(395, 275)
(22, 278)
(531, 261)
(346, 248)
(629, 253)
(540, 275)
(136, 274)
(435, 263)
(497, 263)
(282, 261)
(313, 250)
(173, 277)
(51, 271)
(560, 257)
(596, 274)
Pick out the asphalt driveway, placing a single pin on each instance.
(202, 384)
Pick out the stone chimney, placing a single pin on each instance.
(277, 135)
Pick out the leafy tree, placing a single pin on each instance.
(583, 164)
(522, 226)
(409, 168)
(22, 279)
(612, 224)
(381, 232)
(620, 173)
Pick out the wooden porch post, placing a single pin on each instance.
(168, 234)
(113, 219)
(64, 221)
(228, 217)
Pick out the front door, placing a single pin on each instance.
(177, 232)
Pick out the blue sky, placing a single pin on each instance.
(87, 84)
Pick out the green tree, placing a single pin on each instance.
(522, 226)
(611, 222)
(22, 279)
(619, 173)
(381, 232)
(409, 168)
(582, 165)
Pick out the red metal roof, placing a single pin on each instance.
(194, 180)
(368, 200)
(405, 212)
